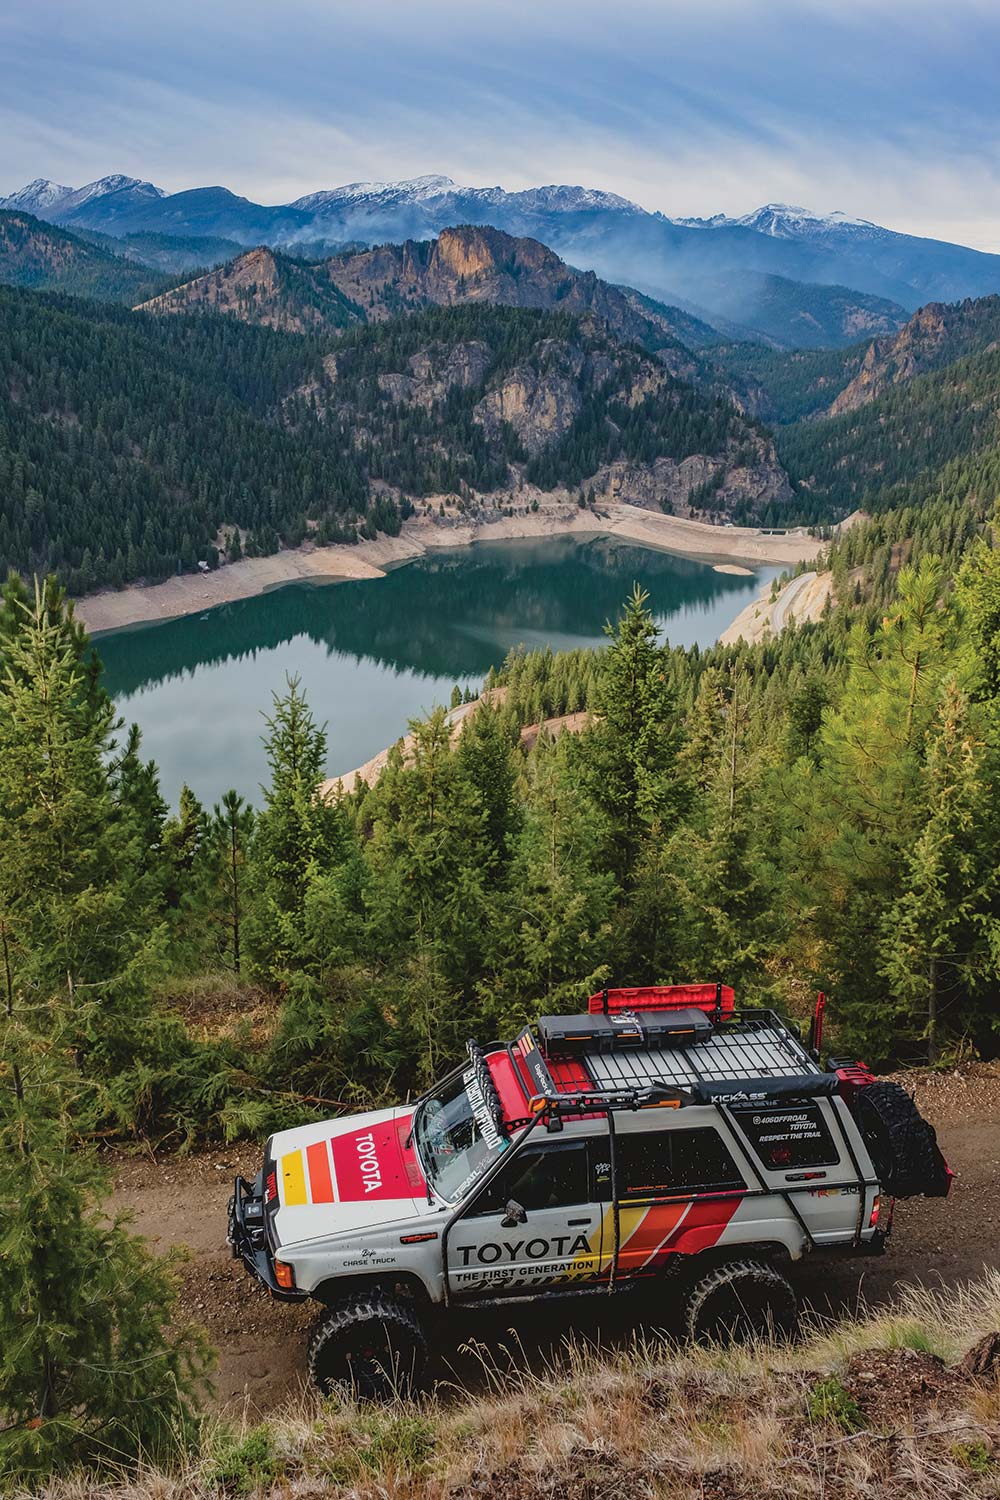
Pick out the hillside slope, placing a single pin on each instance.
(785, 385)
(35, 254)
(936, 434)
(172, 254)
(127, 442)
(263, 286)
(463, 265)
(936, 335)
(538, 398)
(799, 315)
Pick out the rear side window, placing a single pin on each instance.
(666, 1162)
(785, 1136)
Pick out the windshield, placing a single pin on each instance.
(456, 1137)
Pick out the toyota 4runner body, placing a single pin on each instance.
(662, 1134)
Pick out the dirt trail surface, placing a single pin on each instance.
(182, 1202)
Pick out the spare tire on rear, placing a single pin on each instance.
(902, 1145)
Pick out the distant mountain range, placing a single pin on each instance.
(721, 267)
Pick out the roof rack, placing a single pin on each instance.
(749, 1056)
(661, 1095)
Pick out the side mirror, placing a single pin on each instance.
(513, 1215)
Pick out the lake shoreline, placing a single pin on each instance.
(194, 593)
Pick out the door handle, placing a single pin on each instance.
(575, 1223)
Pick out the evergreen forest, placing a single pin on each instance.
(820, 811)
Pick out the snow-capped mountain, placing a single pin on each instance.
(51, 200)
(786, 221)
(413, 190)
(720, 264)
(36, 197)
(442, 199)
(104, 187)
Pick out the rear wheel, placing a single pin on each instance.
(372, 1344)
(739, 1301)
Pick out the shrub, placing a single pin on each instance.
(243, 1465)
(830, 1404)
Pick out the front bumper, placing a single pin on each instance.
(247, 1236)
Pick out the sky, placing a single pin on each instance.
(886, 109)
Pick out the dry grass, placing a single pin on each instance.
(217, 1006)
(655, 1420)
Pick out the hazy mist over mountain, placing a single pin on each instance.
(775, 271)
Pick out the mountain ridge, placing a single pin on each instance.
(161, 435)
(34, 253)
(936, 336)
(667, 258)
(469, 263)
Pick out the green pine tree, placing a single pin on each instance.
(631, 751)
(297, 833)
(94, 1368)
(555, 938)
(430, 863)
(939, 937)
(230, 839)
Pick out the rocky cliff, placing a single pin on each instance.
(936, 335)
(463, 265)
(489, 403)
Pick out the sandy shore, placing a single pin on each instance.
(192, 593)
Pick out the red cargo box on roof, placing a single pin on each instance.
(704, 997)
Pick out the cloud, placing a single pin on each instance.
(885, 109)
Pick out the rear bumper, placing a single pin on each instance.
(247, 1236)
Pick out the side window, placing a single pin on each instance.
(656, 1164)
(539, 1177)
(785, 1136)
(702, 1160)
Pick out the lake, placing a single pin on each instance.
(373, 654)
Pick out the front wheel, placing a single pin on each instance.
(740, 1301)
(372, 1344)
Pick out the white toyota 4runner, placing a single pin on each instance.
(662, 1134)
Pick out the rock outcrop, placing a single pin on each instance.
(540, 406)
(472, 263)
(935, 336)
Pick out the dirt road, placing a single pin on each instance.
(786, 601)
(182, 1202)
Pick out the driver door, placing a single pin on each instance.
(538, 1223)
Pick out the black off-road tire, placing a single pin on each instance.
(372, 1344)
(738, 1301)
(902, 1145)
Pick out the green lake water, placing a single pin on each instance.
(373, 654)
